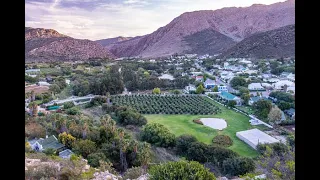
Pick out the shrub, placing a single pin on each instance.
(94, 158)
(180, 170)
(49, 151)
(41, 172)
(222, 140)
(73, 111)
(197, 121)
(133, 173)
(68, 105)
(238, 166)
(183, 142)
(158, 134)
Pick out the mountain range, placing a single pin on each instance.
(49, 45)
(258, 31)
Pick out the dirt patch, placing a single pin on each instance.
(37, 89)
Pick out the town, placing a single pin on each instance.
(244, 101)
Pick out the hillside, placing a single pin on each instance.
(224, 26)
(271, 44)
(109, 41)
(49, 45)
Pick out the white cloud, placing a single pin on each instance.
(111, 19)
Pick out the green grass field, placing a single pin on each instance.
(183, 124)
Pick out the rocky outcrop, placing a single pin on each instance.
(49, 45)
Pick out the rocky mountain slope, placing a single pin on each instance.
(224, 26)
(271, 44)
(49, 45)
(109, 41)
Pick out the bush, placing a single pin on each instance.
(238, 166)
(94, 158)
(49, 151)
(73, 111)
(197, 121)
(68, 105)
(41, 172)
(197, 151)
(158, 134)
(183, 142)
(180, 170)
(222, 140)
(133, 173)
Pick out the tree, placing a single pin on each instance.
(156, 91)
(200, 89)
(262, 108)
(183, 142)
(158, 134)
(144, 155)
(197, 151)
(238, 166)
(54, 88)
(180, 170)
(66, 139)
(236, 82)
(243, 90)
(33, 106)
(73, 111)
(68, 105)
(84, 147)
(215, 89)
(245, 98)
(232, 103)
(49, 151)
(95, 158)
(275, 114)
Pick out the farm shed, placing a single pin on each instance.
(254, 136)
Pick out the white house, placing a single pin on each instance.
(189, 88)
(255, 87)
(67, 81)
(280, 84)
(43, 83)
(272, 80)
(43, 144)
(291, 77)
(222, 88)
(291, 89)
(209, 83)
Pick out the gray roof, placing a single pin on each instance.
(66, 152)
(209, 81)
(50, 142)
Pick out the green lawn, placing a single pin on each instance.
(246, 109)
(183, 124)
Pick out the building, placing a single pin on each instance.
(199, 78)
(43, 83)
(255, 87)
(32, 71)
(280, 84)
(228, 97)
(222, 88)
(209, 83)
(290, 112)
(253, 137)
(189, 89)
(256, 98)
(43, 144)
(65, 154)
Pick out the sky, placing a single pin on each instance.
(101, 19)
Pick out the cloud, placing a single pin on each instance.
(99, 19)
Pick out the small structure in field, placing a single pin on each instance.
(253, 137)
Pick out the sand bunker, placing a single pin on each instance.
(214, 123)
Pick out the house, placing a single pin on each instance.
(48, 78)
(284, 74)
(291, 77)
(209, 83)
(280, 84)
(43, 144)
(255, 87)
(291, 89)
(255, 99)
(271, 80)
(228, 97)
(65, 154)
(290, 112)
(68, 81)
(266, 85)
(222, 88)
(190, 88)
(43, 83)
(32, 71)
(199, 78)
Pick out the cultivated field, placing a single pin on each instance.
(169, 104)
(183, 124)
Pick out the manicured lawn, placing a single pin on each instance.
(183, 124)
(246, 109)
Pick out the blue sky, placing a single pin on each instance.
(99, 19)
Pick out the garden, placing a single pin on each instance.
(167, 104)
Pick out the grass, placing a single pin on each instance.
(182, 124)
(246, 109)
